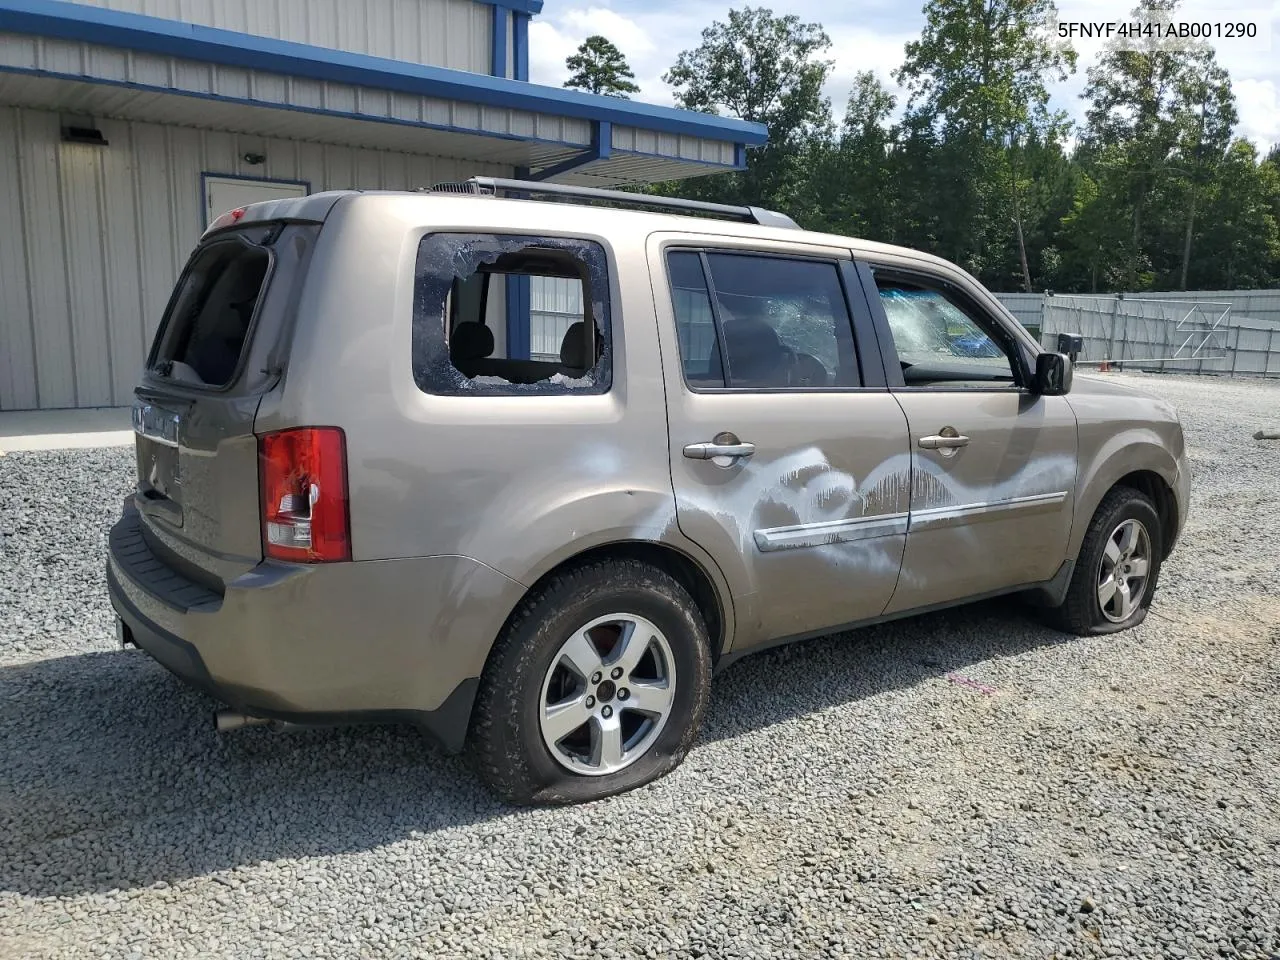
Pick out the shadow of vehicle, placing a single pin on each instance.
(114, 777)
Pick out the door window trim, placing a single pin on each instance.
(1009, 343)
(870, 373)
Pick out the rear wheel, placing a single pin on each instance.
(597, 685)
(1114, 580)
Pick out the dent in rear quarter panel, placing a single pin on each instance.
(1123, 431)
(516, 483)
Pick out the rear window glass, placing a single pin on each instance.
(500, 315)
(211, 313)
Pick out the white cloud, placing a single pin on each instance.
(1258, 102)
(552, 39)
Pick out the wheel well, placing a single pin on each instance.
(1160, 493)
(687, 572)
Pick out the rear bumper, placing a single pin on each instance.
(394, 640)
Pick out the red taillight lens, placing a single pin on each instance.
(303, 479)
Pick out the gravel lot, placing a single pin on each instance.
(1109, 797)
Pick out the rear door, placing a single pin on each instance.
(219, 348)
(789, 456)
(993, 464)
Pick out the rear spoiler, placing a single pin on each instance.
(309, 209)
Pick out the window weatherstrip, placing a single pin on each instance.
(713, 299)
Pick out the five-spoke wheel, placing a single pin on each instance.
(607, 694)
(597, 685)
(1122, 572)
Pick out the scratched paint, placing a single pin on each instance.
(803, 487)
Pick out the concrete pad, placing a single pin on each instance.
(65, 429)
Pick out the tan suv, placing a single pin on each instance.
(524, 463)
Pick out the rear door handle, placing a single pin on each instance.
(939, 442)
(709, 451)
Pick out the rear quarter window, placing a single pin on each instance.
(501, 314)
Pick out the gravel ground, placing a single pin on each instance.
(1109, 797)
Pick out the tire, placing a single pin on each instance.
(532, 672)
(1083, 611)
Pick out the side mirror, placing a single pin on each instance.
(1054, 372)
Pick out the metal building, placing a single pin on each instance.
(127, 125)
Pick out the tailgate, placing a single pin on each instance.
(220, 348)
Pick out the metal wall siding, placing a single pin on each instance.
(155, 225)
(443, 33)
(39, 136)
(124, 310)
(272, 89)
(17, 351)
(90, 314)
(636, 140)
(92, 238)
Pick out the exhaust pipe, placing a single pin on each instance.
(225, 721)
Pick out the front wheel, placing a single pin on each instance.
(1114, 580)
(596, 686)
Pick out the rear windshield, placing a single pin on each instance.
(210, 315)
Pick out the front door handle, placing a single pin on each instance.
(944, 442)
(709, 451)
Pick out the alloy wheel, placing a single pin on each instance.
(1123, 570)
(607, 694)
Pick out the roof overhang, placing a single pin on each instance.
(75, 58)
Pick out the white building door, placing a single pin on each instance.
(227, 193)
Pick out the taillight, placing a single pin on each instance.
(303, 479)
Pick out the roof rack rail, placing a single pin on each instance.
(497, 186)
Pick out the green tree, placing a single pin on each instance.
(854, 187)
(976, 81)
(599, 67)
(1238, 243)
(768, 70)
(1168, 109)
(1093, 240)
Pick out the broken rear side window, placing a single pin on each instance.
(500, 315)
(207, 326)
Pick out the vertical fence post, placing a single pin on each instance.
(1235, 352)
(1111, 347)
(1271, 346)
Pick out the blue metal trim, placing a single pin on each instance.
(740, 156)
(518, 309)
(73, 21)
(520, 39)
(521, 6)
(601, 149)
(204, 188)
(498, 50)
(294, 108)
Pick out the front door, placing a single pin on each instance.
(993, 465)
(789, 460)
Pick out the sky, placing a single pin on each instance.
(869, 35)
